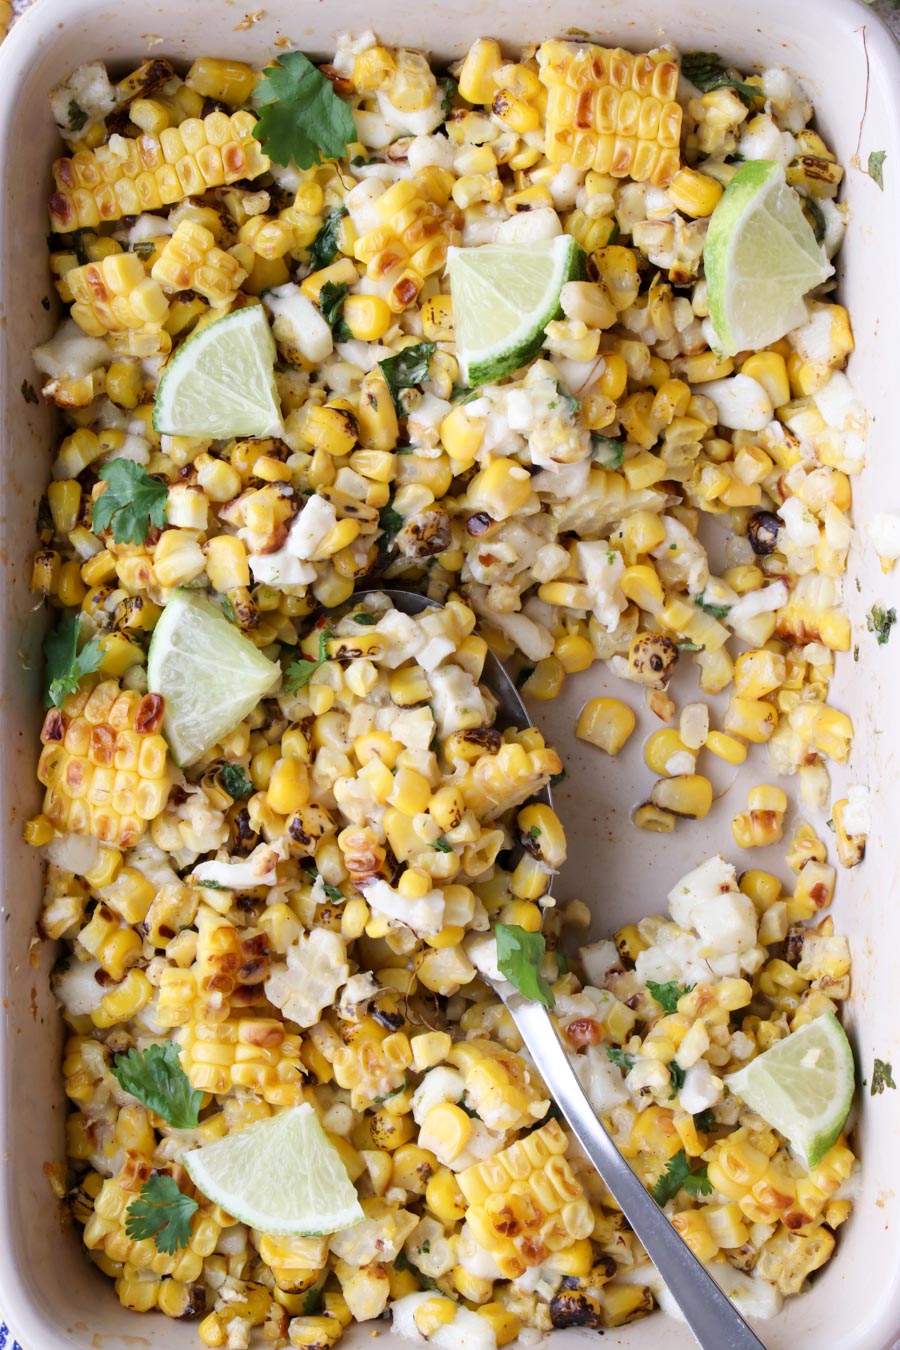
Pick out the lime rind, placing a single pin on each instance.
(210, 675)
(221, 381)
(504, 295)
(281, 1175)
(760, 258)
(802, 1086)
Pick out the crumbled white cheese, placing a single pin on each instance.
(258, 869)
(701, 1088)
(857, 813)
(884, 533)
(83, 99)
(741, 402)
(527, 227)
(457, 701)
(71, 353)
(439, 1085)
(76, 853)
(424, 915)
(77, 988)
(298, 323)
(602, 569)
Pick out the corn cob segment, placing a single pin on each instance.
(115, 295)
(126, 177)
(525, 1203)
(255, 1053)
(105, 764)
(191, 260)
(611, 111)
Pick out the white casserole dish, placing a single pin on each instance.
(48, 1292)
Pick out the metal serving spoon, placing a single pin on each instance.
(709, 1313)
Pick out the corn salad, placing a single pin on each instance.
(302, 911)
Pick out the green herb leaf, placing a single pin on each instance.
(390, 521)
(324, 248)
(29, 393)
(534, 832)
(557, 778)
(606, 452)
(360, 162)
(880, 621)
(678, 1174)
(145, 250)
(717, 611)
(668, 994)
(367, 620)
(408, 368)
(875, 168)
(75, 116)
(65, 665)
(442, 845)
(814, 214)
(450, 89)
(301, 117)
(619, 1058)
(299, 672)
(161, 1212)
(676, 1078)
(235, 781)
(689, 646)
(705, 1120)
(331, 301)
(882, 1077)
(334, 895)
(707, 71)
(569, 399)
(131, 503)
(157, 1079)
(519, 957)
(562, 965)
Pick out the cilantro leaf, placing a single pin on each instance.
(875, 167)
(707, 71)
(131, 503)
(157, 1079)
(301, 117)
(442, 845)
(619, 1057)
(676, 1078)
(408, 368)
(569, 399)
(717, 611)
(705, 1120)
(449, 88)
(331, 303)
(678, 1174)
(882, 1077)
(66, 666)
(300, 672)
(235, 781)
(390, 521)
(668, 994)
(334, 895)
(75, 116)
(324, 248)
(367, 620)
(813, 212)
(606, 452)
(880, 621)
(161, 1212)
(519, 957)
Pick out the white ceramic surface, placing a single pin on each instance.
(48, 1293)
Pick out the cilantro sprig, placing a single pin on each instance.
(706, 70)
(606, 451)
(156, 1078)
(161, 1212)
(407, 369)
(301, 117)
(324, 248)
(875, 167)
(65, 665)
(882, 1077)
(235, 781)
(519, 957)
(709, 607)
(331, 303)
(668, 994)
(299, 673)
(880, 621)
(619, 1058)
(678, 1176)
(132, 502)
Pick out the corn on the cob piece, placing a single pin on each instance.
(525, 1202)
(611, 111)
(104, 763)
(126, 177)
(229, 972)
(191, 260)
(115, 295)
(105, 1232)
(248, 1052)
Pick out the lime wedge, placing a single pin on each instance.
(802, 1086)
(504, 295)
(210, 675)
(221, 382)
(281, 1175)
(760, 258)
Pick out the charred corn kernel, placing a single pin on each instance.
(99, 185)
(758, 673)
(376, 416)
(695, 194)
(230, 82)
(501, 489)
(606, 723)
(650, 817)
(611, 111)
(546, 680)
(851, 847)
(45, 569)
(476, 78)
(115, 295)
(765, 798)
(685, 794)
(757, 827)
(191, 260)
(753, 719)
(652, 658)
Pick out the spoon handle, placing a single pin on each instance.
(709, 1313)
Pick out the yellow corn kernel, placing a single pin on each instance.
(477, 76)
(367, 316)
(753, 719)
(501, 489)
(650, 817)
(770, 370)
(288, 788)
(763, 888)
(461, 436)
(445, 1131)
(684, 794)
(546, 680)
(575, 652)
(726, 747)
(641, 585)
(606, 723)
(695, 194)
(504, 1323)
(230, 82)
